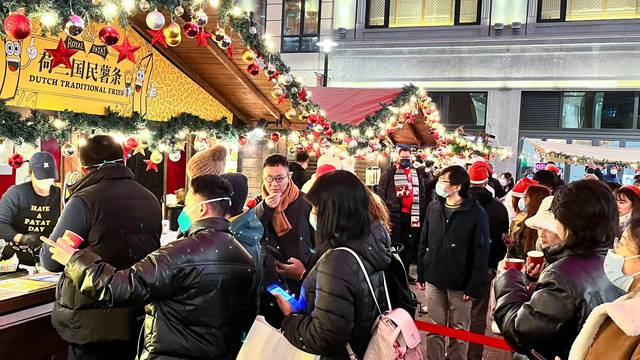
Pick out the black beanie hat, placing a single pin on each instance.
(240, 186)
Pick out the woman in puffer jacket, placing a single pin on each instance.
(340, 309)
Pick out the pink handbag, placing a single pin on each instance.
(394, 335)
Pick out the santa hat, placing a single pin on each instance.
(478, 174)
(635, 189)
(551, 167)
(522, 186)
(484, 165)
(323, 169)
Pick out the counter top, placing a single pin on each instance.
(21, 291)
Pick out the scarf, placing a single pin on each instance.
(403, 189)
(279, 221)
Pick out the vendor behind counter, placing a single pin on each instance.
(30, 210)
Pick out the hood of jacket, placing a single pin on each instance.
(247, 228)
(481, 194)
(375, 248)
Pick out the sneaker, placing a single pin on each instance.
(494, 328)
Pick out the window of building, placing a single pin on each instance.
(417, 13)
(461, 108)
(259, 9)
(598, 110)
(301, 25)
(584, 10)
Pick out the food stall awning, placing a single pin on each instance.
(582, 154)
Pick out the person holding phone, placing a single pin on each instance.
(285, 217)
(200, 290)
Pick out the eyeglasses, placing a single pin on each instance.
(278, 179)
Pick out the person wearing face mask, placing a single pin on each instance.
(628, 201)
(506, 180)
(612, 330)
(121, 222)
(522, 238)
(401, 187)
(200, 290)
(454, 249)
(548, 319)
(30, 210)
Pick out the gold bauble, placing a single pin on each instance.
(291, 114)
(156, 157)
(172, 31)
(174, 41)
(248, 56)
(276, 92)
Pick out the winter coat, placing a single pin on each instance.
(455, 253)
(549, 320)
(200, 291)
(248, 230)
(387, 192)
(498, 223)
(298, 174)
(125, 222)
(339, 306)
(612, 331)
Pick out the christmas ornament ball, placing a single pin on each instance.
(226, 42)
(175, 156)
(253, 30)
(219, 34)
(17, 26)
(191, 29)
(201, 18)
(270, 70)
(109, 35)
(248, 56)
(156, 157)
(253, 69)
(179, 10)
(144, 5)
(242, 140)
(172, 31)
(155, 20)
(16, 160)
(275, 137)
(173, 42)
(276, 92)
(200, 144)
(74, 26)
(290, 114)
(68, 150)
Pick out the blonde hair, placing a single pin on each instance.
(378, 210)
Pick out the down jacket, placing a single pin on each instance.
(200, 291)
(339, 305)
(549, 320)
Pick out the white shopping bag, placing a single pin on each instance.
(265, 339)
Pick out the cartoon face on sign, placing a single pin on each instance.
(12, 52)
(141, 84)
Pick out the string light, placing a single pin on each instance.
(49, 19)
(128, 6)
(109, 10)
(214, 3)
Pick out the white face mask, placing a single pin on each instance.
(44, 184)
(614, 172)
(613, 264)
(504, 182)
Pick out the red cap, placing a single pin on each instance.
(635, 189)
(485, 165)
(478, 174)
(323, 169)
(522, 186)
(553, 168)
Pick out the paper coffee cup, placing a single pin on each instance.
(516, 264)
(535, 257)
(75, 238)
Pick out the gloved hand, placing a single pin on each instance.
(31, 239)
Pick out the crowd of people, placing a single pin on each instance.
(553, 265)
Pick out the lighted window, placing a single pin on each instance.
(301, 25)
(581, 10)
(418, 13)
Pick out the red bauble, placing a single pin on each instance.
(408, 118)
(328, 132)
(16, 160)
(17, 26)
(109, 35)
(390, 131)
(436, 136)
(275, 137)
(131, 143)
(326, 126)
(242, 140)
(253, 69)
(252, 203)
(190, 29)
(312, 119)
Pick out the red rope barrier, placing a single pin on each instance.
(464, 335)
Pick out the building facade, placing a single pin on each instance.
(563, 70)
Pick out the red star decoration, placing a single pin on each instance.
(126, 50)
(281, 99)
(151, 165)
(202, 38)
(60, 56)
(230, 51)
(158, 37)
(275, 75)
(302, 95)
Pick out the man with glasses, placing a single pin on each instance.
(288, 238)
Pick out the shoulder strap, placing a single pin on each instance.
(366, 276)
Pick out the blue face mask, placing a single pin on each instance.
(613, 264)
(440, 190)
(523, 205)
(405, 163)
(184, 220)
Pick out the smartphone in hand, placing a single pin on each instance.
(274, 289)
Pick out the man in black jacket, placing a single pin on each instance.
(298, 169)
(455, 244)
(285, 217)
(498, 225)
(120, 221)
(201, 289)
(401, 187)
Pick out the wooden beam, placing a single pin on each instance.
(182, 65)
(415, 134)
(221, 56)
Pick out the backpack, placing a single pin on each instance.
(398, 284)
(394, 335)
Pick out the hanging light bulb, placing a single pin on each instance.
(109, 10)
(128, 6)
(49, 19)
(214, 3)
(236, 11)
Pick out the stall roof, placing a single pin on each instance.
(600, 154)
